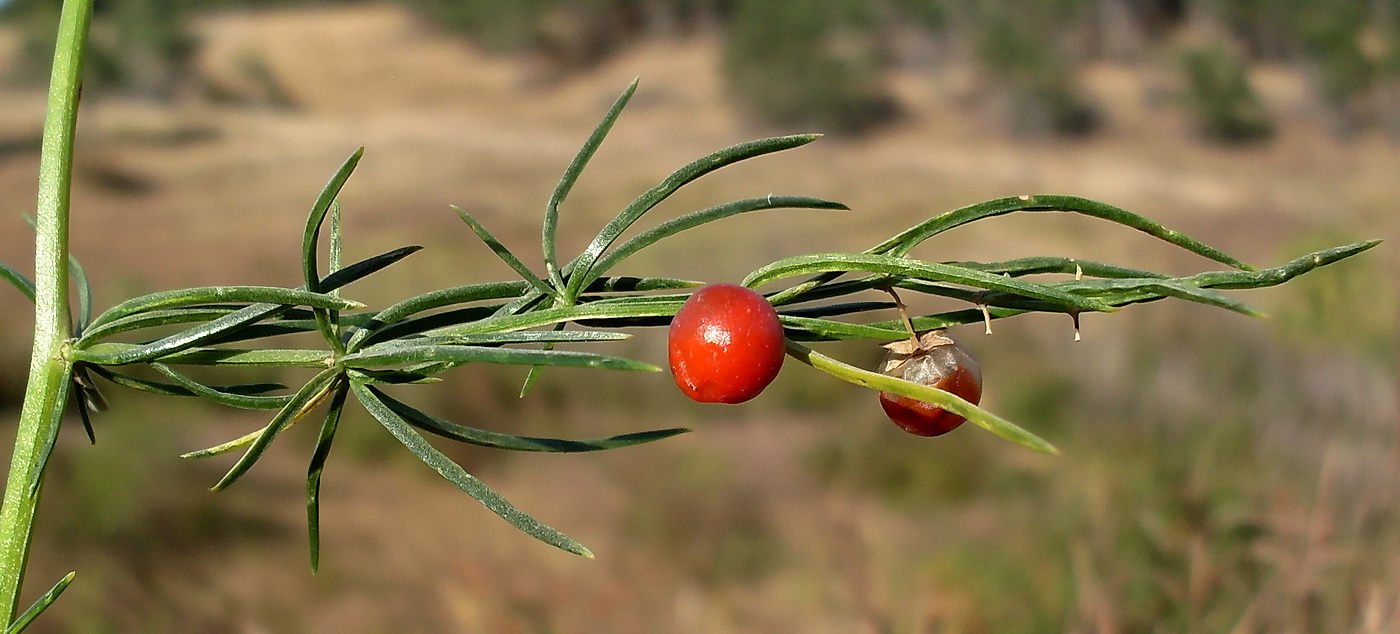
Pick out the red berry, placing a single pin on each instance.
(725, 344)
(938, 361)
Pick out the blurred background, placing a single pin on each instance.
(1219, 473)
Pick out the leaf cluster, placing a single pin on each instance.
(369, 353)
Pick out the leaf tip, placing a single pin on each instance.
(229, 478)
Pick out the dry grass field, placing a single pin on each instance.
(1218, 473)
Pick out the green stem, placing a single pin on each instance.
(47, 369)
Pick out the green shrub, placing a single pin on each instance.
(1220, 98)
(151, 46)
(1345, 74)
(791, 62)
(36, 22)
(140, 46)
(496, 25)
(562, 37)
(1038, 80)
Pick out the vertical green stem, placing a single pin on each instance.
(43, 402)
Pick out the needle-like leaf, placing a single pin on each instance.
(84, 288)
(698, 218)
(231, 399)
(458, 476)
(905, 267)
(18, 280)
(1046, 264)
(157, 319)
(24, 620)
(228, 321)
(55, 422)
(226, 447)
(447, 429)
(583, 264)
(223, 295)
(98, 354)
(313, 473)
(550, 226)
(310, 240)
(301, 404)
(172, 389)
(504, 254)
(908, 239)
(435, 300)
(409, 352)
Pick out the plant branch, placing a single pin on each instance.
(48, 371)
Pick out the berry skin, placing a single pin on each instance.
(938, 361)
(725, 344)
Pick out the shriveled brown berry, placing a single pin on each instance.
(940, 361)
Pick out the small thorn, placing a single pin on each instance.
(1075, 316)
(986, 317)
(1078, 272)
